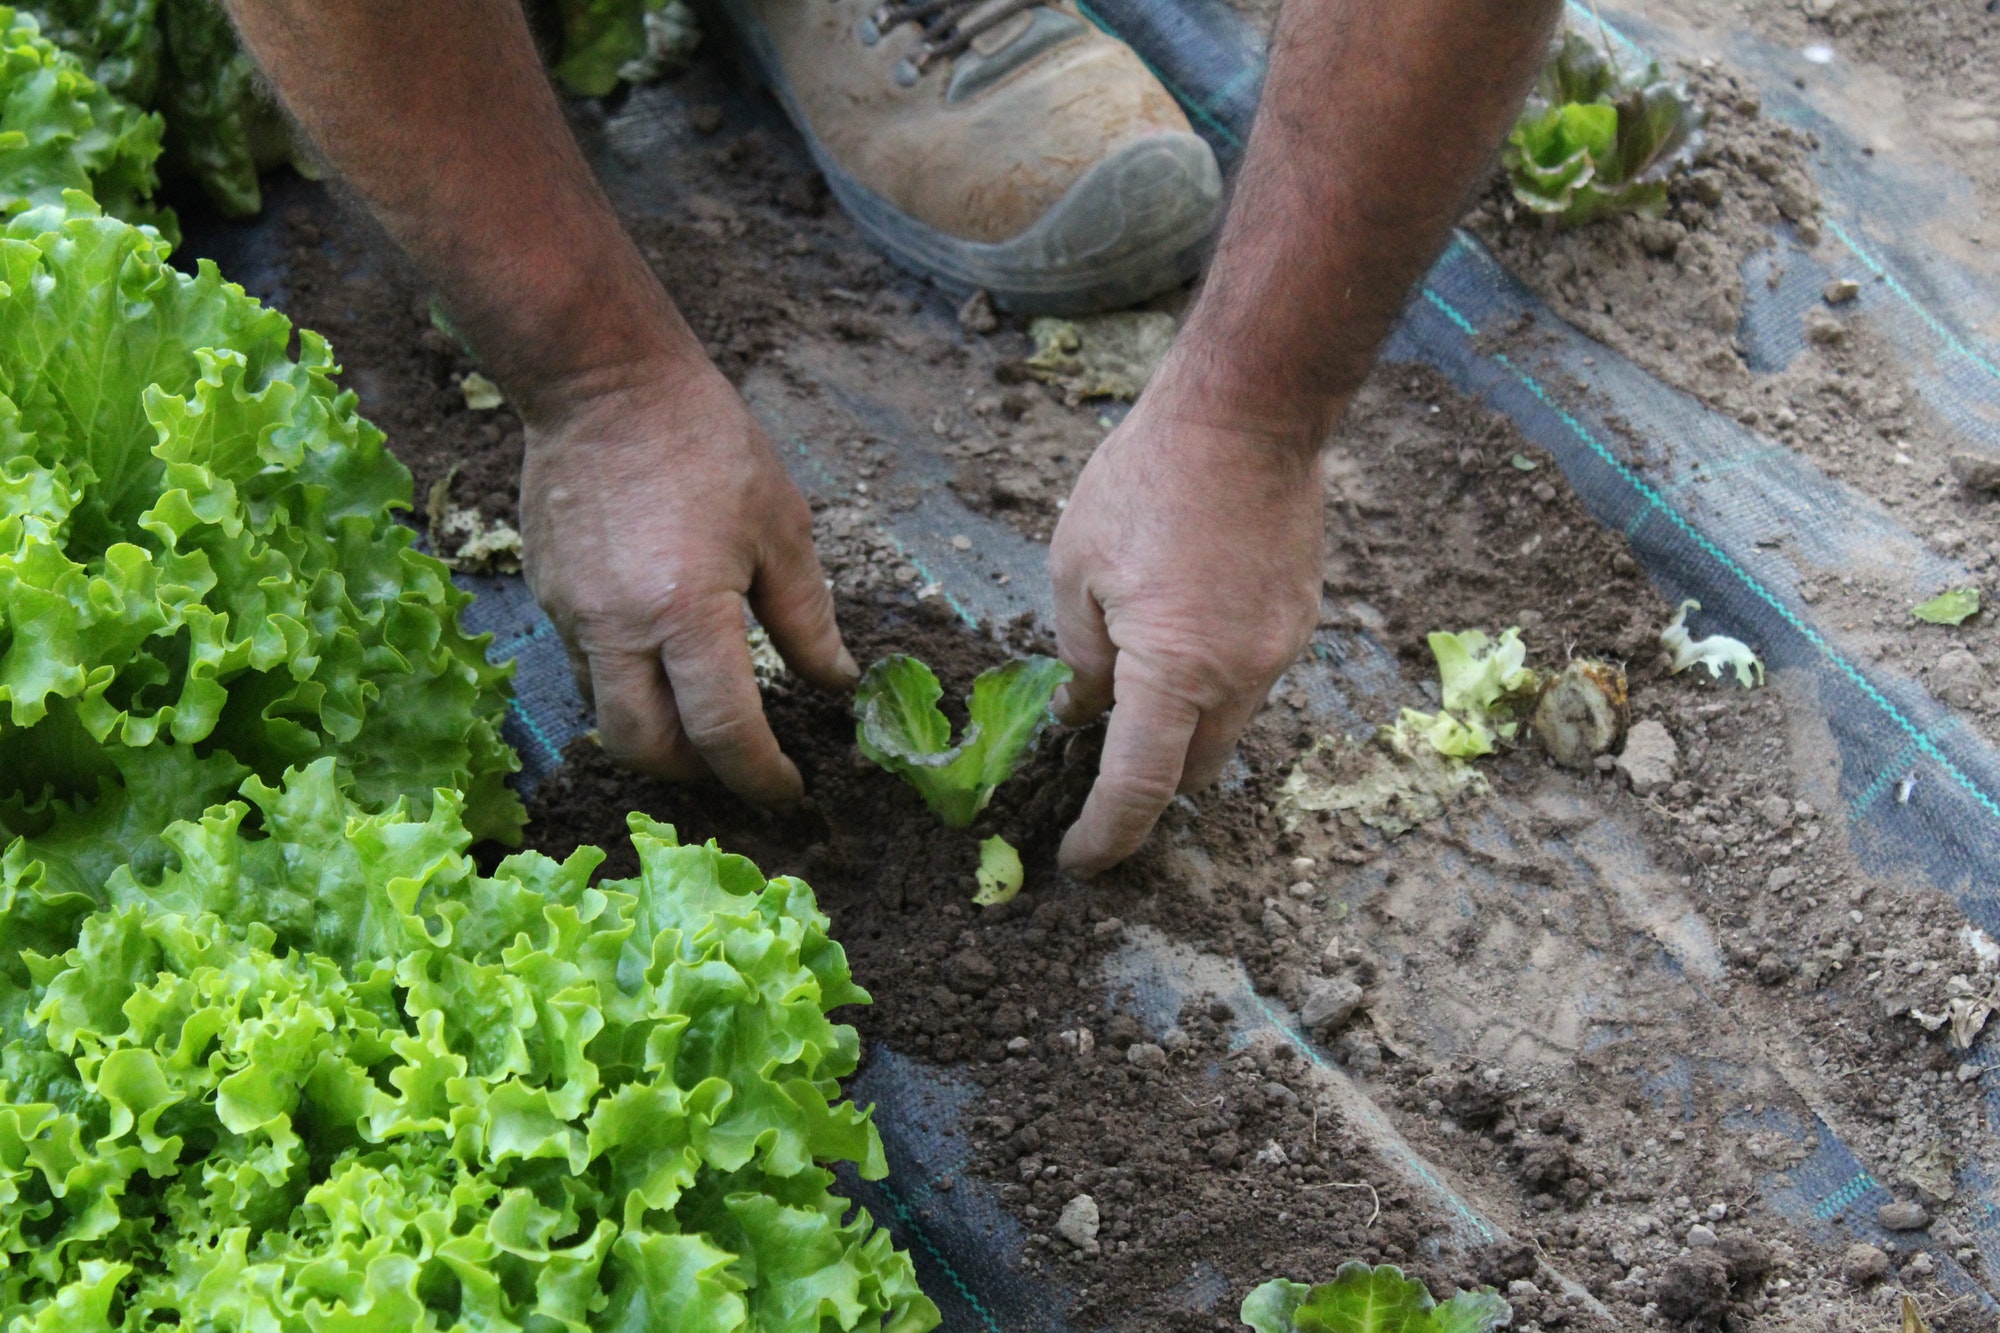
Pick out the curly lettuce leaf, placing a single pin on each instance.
(60, 130)
(1597, 137)
(899, 726)
(1364, 1299)
(509, 1102)
(198, 553)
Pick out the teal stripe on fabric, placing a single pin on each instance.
(907, 1216)
(1944, 335)
(535, 730)
(1890, 772)
(1923, 740)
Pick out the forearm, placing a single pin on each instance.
(1376, 123)
(439, 116)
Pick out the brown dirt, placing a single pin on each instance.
(1537, 1087)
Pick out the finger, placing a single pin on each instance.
(1084, 644)
(1215, 738)
(795, 607)
(708, 667)
(1145, 750)
(637, 722)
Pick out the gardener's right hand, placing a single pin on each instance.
(652, 508)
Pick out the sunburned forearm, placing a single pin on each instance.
(1376, 123)
(439, 116)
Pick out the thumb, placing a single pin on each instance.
(791, 600)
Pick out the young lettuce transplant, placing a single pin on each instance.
(1361, 1299)
(201, 575)
(332, 1077)
(60, 131)
(1483, 686)
(899, 726)
(1600, 136)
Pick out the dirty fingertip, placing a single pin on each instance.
(1079, 856)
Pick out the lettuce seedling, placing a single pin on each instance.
(1596, 137)
(1483, 687)
(1716, 652)
(1361, 1299)
(899, 726)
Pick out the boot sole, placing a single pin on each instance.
(1135, 225)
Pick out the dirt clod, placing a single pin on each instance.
(1650, 758)
(1864, 1263)
(1903, 1215)
(1694, 1289)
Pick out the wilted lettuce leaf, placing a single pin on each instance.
(331, 1076)
(1953, 607)
(200, 570)
(60, 131)
(1361, 1299)
(899, 726)
(1717, 652)
(1598, 138)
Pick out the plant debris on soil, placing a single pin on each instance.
(1515, 982)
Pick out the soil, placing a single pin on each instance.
(1720, 921)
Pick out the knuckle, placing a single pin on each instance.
(730, 732)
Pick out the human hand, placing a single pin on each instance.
(651, 510)
(1187, 572)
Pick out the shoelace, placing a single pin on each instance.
(945, 35)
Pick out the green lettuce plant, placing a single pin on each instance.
(331, 1077)
(1483, 685)
(181, 58)
(201, 575)
(61, 131)
(1598, 136)
(899, 726)
(1361, 1299)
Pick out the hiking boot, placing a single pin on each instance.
(1007, 145)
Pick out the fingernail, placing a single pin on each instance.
(1060, 701)
(845, 665)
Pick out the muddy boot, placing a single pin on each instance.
(997, 144)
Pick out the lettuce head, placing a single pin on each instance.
(330, 1076)
(201, 575)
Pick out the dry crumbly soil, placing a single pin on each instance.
(1518, 1015)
